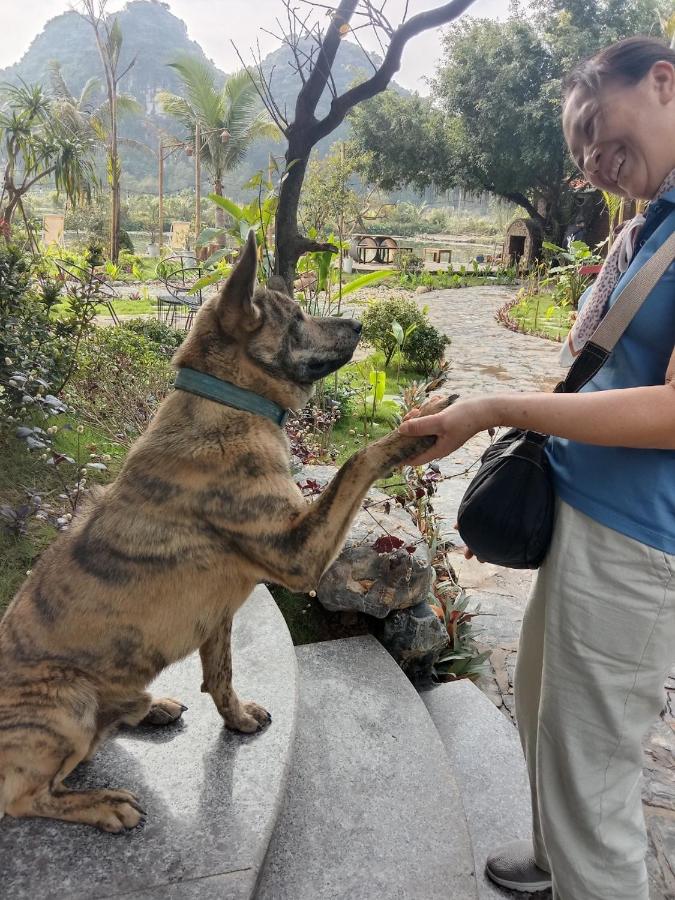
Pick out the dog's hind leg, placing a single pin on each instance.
(163, 711)
(112, 811)
(142, 709)
(137, 709)
(216, 657)
(36, 757)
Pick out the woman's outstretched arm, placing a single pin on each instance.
(633, 417)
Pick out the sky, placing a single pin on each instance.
(215, 23)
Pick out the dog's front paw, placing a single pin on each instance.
(404, 449)
(436, 404)
(248, 718)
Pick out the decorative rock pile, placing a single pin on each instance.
(385, 571)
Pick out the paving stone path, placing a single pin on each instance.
(485, 356)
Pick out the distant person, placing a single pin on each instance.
(598, 637)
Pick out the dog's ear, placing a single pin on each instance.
(236, 298)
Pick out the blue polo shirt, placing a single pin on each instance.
(629, 490)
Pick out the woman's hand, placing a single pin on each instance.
(453, 426)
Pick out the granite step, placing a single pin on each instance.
(212, 796)
(486, 759)
(372, 810)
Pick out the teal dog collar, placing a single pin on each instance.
(230, 395)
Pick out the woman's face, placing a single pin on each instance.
(623, 139)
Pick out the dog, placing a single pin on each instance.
(204, 508)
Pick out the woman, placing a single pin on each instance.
(598, 636)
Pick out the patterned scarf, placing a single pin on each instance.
(618, 260)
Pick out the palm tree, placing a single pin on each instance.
(109, 40)
(37, 144)
(83, 113)
(229, 118)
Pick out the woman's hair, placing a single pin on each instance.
(627, 61)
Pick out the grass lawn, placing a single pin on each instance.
(538, 313)
(123, 307)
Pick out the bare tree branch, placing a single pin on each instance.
(379, 81)
(263, 89)
(313, 52)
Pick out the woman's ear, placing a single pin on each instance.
(662, 75)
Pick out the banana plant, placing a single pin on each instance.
(401, 336)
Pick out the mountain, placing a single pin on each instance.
(154, 37)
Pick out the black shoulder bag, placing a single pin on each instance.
(506, 514)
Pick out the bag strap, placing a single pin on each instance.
(606, 336)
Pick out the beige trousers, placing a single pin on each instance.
(597, 643)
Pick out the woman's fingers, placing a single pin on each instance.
(413, 427)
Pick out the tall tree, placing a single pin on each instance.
(230, 118)
(498, 87)
(306, 128)
(403, 141)
(108, 37)
(37, 145)
(494, 113)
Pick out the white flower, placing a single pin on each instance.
(8, 361)
(80, 429)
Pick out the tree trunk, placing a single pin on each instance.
(114, 180)
(220, 212)
(289, 244)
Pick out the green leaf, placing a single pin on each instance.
(205, 281)
(365, 280)
(216, 257)
(397, 331)
(380, 386)
(209, 235)
(236, 211)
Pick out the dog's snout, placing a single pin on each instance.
(357, 326)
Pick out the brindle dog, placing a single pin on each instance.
(204, 508)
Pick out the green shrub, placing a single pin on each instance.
(408, 263)
(35, 351)
(163, 337)
(121, 379)
(425, 347)
(379, 317)
(125, 241)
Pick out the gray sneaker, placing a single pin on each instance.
(513, 867)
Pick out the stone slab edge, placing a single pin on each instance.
(486, 760)
(372, 812)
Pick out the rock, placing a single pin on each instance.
(385, 564)
(415, 638)
(422, 289)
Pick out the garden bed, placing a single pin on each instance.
(536, 314)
